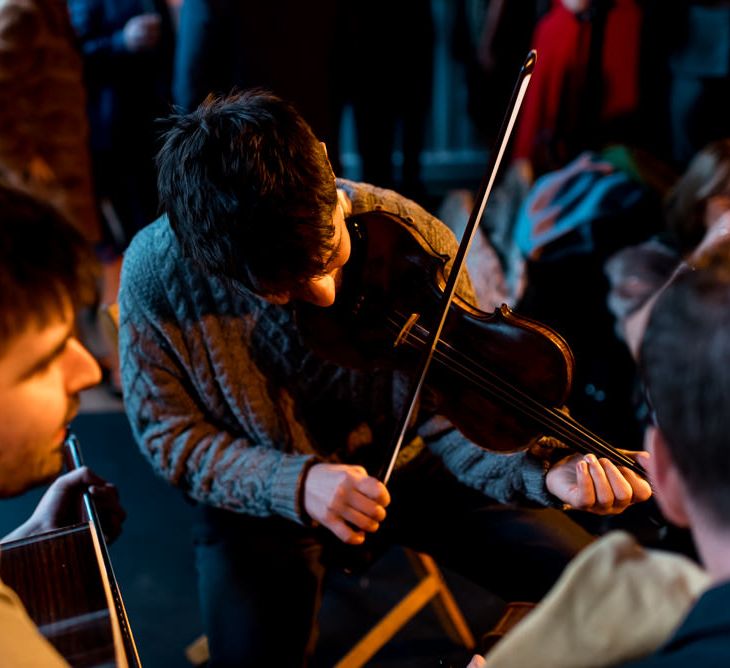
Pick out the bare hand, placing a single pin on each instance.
(142, 32)
(585, 482)
(346, 500)
(60, 505)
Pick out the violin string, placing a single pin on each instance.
(562, 425)
(514, 402)
(552, 418)
(543, 415)
(503, 393)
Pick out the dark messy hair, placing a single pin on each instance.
(45, 264)
(685, 358)
(249, 191)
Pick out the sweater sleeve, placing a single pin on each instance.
(208, 460)
(517, 477)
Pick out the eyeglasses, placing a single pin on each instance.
(645, 411)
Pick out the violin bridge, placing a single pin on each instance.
(412, 320)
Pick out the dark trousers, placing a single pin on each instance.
(260, 579)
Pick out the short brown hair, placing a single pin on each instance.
(44, 264)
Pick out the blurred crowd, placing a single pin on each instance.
(618, 167)
(618, 171)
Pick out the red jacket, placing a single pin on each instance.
(553, 101)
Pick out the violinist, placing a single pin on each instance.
(276, 443)
(46, 273)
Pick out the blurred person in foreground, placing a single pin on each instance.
(663, 611)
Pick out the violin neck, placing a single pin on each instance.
(583, 440)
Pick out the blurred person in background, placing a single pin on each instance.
(127, 48)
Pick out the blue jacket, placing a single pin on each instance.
(126, 91)
(702, 641)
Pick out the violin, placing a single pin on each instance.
(500, 378)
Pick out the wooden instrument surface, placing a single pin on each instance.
(57, 577)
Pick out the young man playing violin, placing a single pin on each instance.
(46, 273)
(231, 404)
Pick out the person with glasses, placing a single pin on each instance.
(663, 611)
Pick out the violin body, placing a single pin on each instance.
(391, 290)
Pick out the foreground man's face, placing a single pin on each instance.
(41, 373)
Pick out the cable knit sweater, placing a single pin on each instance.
(227, 402)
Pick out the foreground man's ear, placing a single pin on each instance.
(669, 488)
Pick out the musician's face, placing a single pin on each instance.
(322, 290)
(42, 371)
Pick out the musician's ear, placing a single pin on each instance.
(324, 148)
(669, 488)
